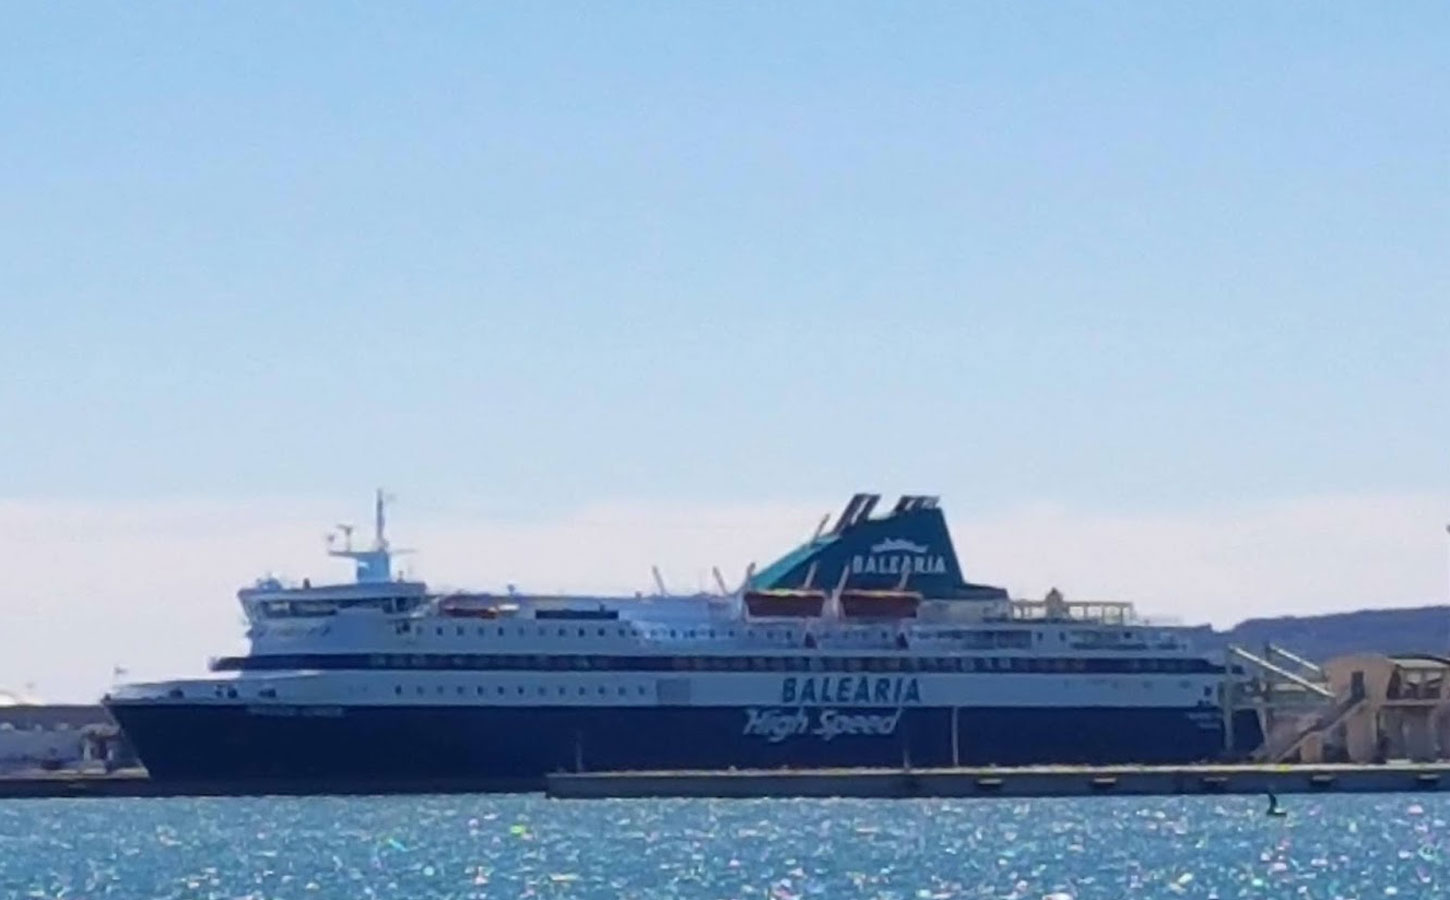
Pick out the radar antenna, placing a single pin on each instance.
(375, 564)
(346, 532)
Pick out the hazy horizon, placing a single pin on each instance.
(154, 584)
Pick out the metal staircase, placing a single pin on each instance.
(1291, 695)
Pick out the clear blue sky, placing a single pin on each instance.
(1116, 255)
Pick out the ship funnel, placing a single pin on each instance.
(857, 509)
(909, 546)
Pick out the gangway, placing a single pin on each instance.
(1273, 650)
(1290, 704)
(1271, 669)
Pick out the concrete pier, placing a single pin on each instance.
(136, 783)
(71, 783)
(1047, 781)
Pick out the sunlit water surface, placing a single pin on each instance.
(1327, 847)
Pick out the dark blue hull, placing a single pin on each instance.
(397, 747)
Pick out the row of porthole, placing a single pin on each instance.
(693, 634)
(715, 663)
(520, 690)
(460, 631)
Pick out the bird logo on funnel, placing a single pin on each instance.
(898, 545)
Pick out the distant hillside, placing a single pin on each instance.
(1424, 629)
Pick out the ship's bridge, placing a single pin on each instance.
(375, 588)
(271, 599)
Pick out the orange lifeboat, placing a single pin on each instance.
(460, 608)
(879, 604)
(798, 604)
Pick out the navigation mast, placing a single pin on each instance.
(374, 565)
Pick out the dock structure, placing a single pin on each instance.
(49, 785)
(1044, 781)
(136, 782)
(1291, 696)
(1363, 708)
(1035, 781)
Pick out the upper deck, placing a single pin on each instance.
(892, 581)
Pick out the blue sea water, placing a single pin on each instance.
(481, 846)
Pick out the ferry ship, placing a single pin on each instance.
(863, 647)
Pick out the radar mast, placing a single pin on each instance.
(374, 565)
